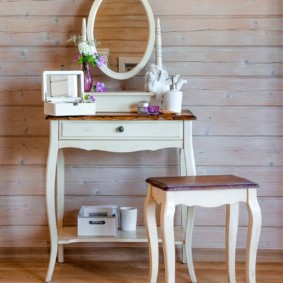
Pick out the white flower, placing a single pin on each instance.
(85, 49)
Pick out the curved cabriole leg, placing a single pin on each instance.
(168, 242)
(253, 235)
(188, 168)
(151, 229)
(50, 197)
(51, 265)
(60, 199)
(188, 243)
(232, 218)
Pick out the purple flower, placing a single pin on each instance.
(100, 61)
(91, 98)
(99, 87)
(77, 57)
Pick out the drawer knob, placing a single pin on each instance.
(121, 129)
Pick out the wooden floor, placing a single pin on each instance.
(13, 271)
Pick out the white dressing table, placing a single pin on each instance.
(114, 132)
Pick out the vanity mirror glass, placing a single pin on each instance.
(126, 32)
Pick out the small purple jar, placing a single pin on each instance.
(153, 109)
(143, 107)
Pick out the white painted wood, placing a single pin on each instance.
(158, 44)
(60, 89)
(122, 76)
(50, 195)
(121, 145)
(84, 38)
(102, 135)
(60, 185)
(68, 235)
(59, 85)
(167, 231)
(151, 230)
(69, 109)
(188, 149)
(132, 130)
(188, 243)
(86, 226)
(188, 168)
(207, 198)
(122, 101)
(254, 229)
(232, 218)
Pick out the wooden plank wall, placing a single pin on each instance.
(231, 54)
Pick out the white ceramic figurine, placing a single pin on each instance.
(157, 80)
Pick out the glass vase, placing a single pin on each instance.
(88, 81)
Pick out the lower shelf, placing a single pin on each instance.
(68, 235)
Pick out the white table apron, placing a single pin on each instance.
(106, 135)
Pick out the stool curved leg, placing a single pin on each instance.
(253, 235)
(168, 241)
(188, 243)
(232, 219)
(151, 230)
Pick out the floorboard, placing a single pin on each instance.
(33, 271)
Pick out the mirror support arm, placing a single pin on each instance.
(158, 45)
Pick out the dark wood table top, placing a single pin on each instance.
(112, 116)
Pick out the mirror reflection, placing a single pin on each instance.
(122, 29)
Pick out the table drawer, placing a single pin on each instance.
(141, 130)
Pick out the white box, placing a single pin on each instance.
(63, 93)
(122, 101)
(98, 221)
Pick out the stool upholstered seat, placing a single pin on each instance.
(204, 191)
(212, 182)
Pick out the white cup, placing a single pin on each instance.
(173, 101)
(128, 218)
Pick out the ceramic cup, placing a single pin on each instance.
(128, 218)
(173, 101)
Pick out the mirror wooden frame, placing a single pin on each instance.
(150, 44)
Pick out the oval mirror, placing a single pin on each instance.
(128, 38)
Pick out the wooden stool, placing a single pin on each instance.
(205, 191)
